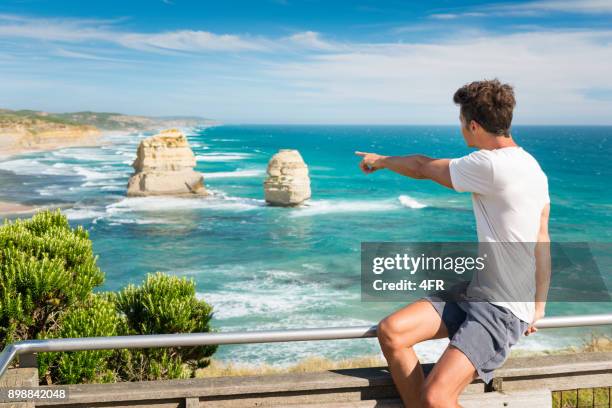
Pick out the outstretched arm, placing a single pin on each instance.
(543, 269)
(414, 166)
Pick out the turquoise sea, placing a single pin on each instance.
(264, 267)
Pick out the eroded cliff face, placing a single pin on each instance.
(164, 166)
(288, 183)
(21, 135)
(23, 131)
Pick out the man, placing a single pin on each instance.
(511, 205)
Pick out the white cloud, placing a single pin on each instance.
(569, 6)
(445, 16)
(312, 40)
(83, 31)
(533, 8)
(189, 40)
(308, 78)
(452, 16)
(80, 55)
(550, 70)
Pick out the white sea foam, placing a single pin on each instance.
(102, 183)
(235, 174)
(86, 154)
(50, 190)
(273, 293)
(139, 221)
(410, 202)
(93, 174)
(222, 157)
(199, 145)
(280, 299)
(87, 173)
(155, 204)
(29, 167)
(320, 207)
(35, 167)
(83, 213)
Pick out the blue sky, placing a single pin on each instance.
(309, 61)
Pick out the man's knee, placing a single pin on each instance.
(389, 333)
(434, 396)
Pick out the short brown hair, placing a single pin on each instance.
(489, 102)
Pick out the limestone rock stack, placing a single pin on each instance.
(164, 166)
(288, 183)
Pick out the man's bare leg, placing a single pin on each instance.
(449, 377)
(397, 333)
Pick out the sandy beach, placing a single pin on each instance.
(19, 143)
(7, 208)
(11, 145)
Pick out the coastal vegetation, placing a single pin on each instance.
(100, 120)
(23, 131)
(29, 117)
(121, 122)
(48, 273)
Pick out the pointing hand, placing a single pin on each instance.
(371, 162)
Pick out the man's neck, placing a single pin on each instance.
(491, 142)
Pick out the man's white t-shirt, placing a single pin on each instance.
(509, 191)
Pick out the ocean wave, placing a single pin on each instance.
(37, 167)
(222, 157)
(27, 167)
(83, 213)
(85, 154)
(50, 190)
(93, 174)
(410, 202)
(235, 174)
(284, 299)
(138, 221)
(142, 210)
(105, 183)
(158, 203)
(321, 207)
(87, 173)
(198, 145)
(273, 292)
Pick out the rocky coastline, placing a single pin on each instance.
(27, 131)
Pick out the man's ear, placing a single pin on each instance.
(474, 126)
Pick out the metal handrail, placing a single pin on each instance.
(30, 347)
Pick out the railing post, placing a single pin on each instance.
(28, 360)
(24, 376)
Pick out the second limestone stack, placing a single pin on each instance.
(288, 183)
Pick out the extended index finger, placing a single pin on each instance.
(362, 154)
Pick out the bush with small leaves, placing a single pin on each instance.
(47, 274)
(96, 317)
(46, 267)
(163, 304)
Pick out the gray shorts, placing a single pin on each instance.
(483, 331)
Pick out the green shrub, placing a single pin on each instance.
(46, 267)
(163, 304)
(47, 274)
(96, 317)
